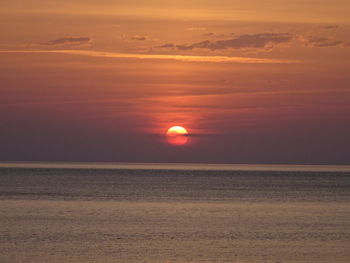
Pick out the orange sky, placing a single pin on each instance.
(253, 81)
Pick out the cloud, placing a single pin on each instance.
(139, 38)
(208, 34)
(212, 59)
(167, 46)
(68, 40)
(255, 41)
(331, 27)
(259, 41)
(319, 41)
(196, 29)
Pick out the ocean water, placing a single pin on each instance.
(183, 215)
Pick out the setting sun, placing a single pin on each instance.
(176, 130)
(177, 135)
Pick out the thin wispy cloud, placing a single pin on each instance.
(214, 59)
(319, 41)
(68, 40)
(331, 27)
(262, 41)
(254, 41)
(139, 38)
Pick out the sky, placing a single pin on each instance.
(99, 80)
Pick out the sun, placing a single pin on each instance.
(177, 130)
(177, 135)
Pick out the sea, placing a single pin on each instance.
(162, 213)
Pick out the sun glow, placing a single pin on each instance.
(177, 135)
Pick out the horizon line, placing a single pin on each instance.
(176, 166)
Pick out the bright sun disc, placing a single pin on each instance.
(177, 130)
(176, 135)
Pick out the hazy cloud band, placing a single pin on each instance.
(215, 59)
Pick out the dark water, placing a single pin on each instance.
(101, 215)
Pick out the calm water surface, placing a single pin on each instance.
(158, 216)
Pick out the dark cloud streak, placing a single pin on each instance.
(139, 38)
(318, 41)
(331, 27)
(255, 41)
(68, 40)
